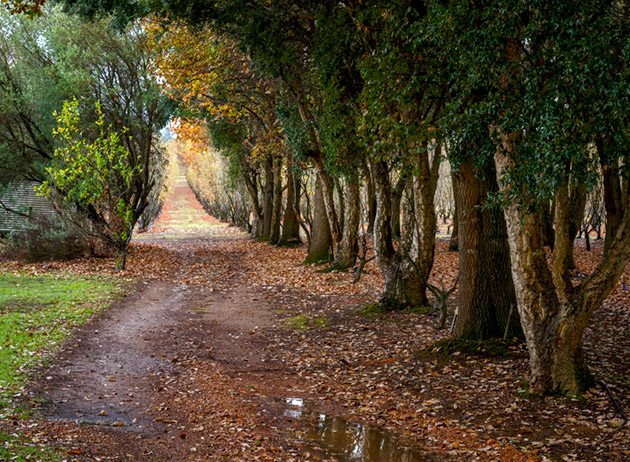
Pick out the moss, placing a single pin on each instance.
(302, 323)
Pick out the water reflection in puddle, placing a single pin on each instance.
(348, 441)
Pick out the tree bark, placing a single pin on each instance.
(553, 312)
(486, 291)
(321, 239)
(249, 177)
(407, 269)
(453, 245)
(397, 195)
(276, 214)
(371, 199)
(268, 199)
(346, 252)
(290, 223)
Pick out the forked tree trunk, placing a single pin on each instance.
(346, 252)
(406, 270)
(403, 285)
(274, 232)
(290, 223)
(486, 292)
(553, 312)
(321, 239)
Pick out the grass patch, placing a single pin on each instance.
(374, 310)
(302, 323)
(37, 313)
(487, 348)
(18, 449)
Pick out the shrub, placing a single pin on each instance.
(50, 238)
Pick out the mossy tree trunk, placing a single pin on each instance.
(554, 312)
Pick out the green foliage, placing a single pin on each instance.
(36, 314)
(93, 174)
(552, 75)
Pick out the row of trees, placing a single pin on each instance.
(526, 100)
(80, 114)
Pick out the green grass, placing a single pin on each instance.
(18, 449)
(36, 314)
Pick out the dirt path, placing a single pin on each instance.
(156, 377)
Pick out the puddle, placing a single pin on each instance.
(347, 441)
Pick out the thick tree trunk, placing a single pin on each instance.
(321, 239)
(346, 252)
(553, 312)
(267, 199)
(274, 231)
(290, 223)
(486, 291)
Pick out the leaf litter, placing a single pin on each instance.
(218, 395)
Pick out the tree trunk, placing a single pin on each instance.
(274, 232)
(407, 269)
(290, 223)
(486, 291)
(371, 201)
(342, 205)
(553, 312)
(453, 245)
(346, 252)
(403, 285)
(252, 192)
(397, 195)
(321, 239)
(577, 206)
(268, 199)
(612, 200)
